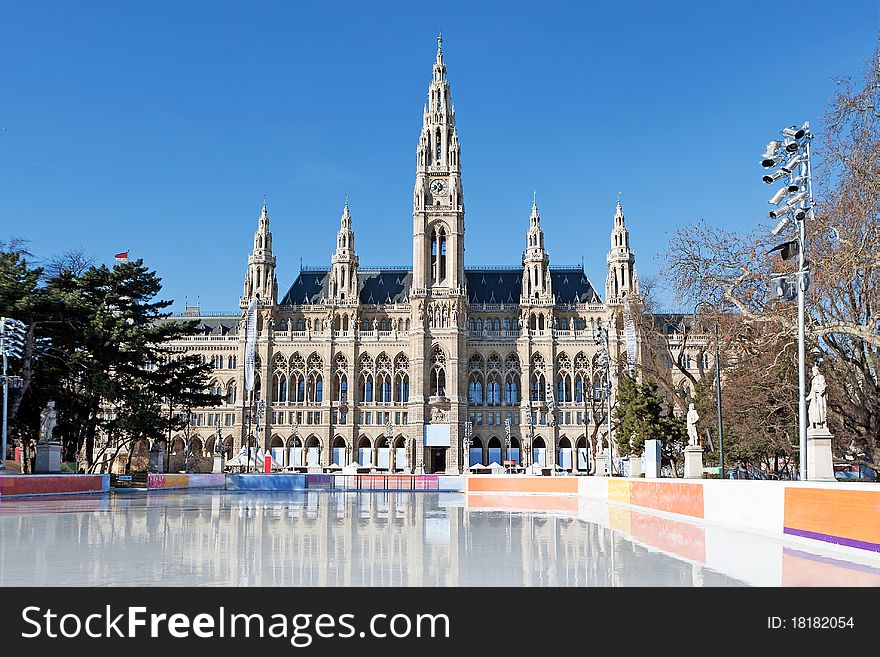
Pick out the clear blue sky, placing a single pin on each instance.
(159, 126)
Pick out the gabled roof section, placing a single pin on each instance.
(502, 285)
(375, 285)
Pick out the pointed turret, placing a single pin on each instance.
(438, 200)
(536, 283)
(343, 273)
(260, 277)
(622, 280)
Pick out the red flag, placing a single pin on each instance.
(122, 257)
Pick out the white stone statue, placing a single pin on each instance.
(48, 419)
(692, 418)
(817, 399)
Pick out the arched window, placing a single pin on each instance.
(563, 388)
(442, 254)
(300, 324)
(472, 325)
(597, 389)
(342, 387)
(230, 393)
(538, 387)
(403, 388)
(319, 389)
(437, 379)
(493, 391)
(367, 388)
(579, 390)
(475, 391)
(281, 390)
(511, 390)
(384, 390)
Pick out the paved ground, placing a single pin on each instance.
(222, 538)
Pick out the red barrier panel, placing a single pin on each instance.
(52, 485)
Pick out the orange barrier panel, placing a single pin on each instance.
(619, 490)
(846, 517)
(685, 499)
(553, 503)
(479, 484)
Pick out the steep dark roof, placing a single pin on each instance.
(484, 286)
(213, 325)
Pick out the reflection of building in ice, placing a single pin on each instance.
(219, 538)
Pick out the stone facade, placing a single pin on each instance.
(353, 361)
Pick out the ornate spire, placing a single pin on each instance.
(536, 283)
(622, 280)
(260, 278)
(343, 274)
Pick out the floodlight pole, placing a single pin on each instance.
(5, 406)
(802, 360)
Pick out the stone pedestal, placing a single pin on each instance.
(602, 464)
(157, 459)
(652, 459)
(635, 466)
(48, 458)
(693, 462)
(219, 463)
(820, 466)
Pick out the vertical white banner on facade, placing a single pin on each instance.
(630, 336)
(250, 348)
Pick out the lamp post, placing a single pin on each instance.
(507, 439)
(389, 434)
(717, 386)
(794, 200)
(466, 445)
(294, 428)
(261, 409)
(603, 340)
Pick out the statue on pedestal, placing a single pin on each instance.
(817, 399)
(48, 419)
(692, 418)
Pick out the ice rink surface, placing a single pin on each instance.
(223, 538)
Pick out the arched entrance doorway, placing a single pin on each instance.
(564, 458)
(383, 453)
(313, 450)
(365, 452)
(401, 460)
(294, 452)
(494, 451)
(513, 454)
(539, 451)
(476, 452)
(339, 456)
(276, 449)
(582, 455)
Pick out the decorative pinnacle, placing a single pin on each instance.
(439, 42)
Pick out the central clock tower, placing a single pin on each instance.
(438, 203)
(438, 292)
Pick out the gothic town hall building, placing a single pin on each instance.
(429, 368)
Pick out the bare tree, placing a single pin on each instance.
(843, 249)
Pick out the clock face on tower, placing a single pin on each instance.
(438, 187)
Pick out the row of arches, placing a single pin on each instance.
(568, 457)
